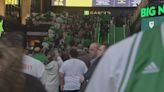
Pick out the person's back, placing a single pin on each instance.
(12, 79)
(18, 40)
(51, 75)
(73, 69)
(71, 72)
(33, 67)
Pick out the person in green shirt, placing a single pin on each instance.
(39, 55)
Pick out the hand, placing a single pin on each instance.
(82, 78)
(62, 88)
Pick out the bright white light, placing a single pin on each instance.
(136, 2)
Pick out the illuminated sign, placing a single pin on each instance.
(58, 2)
(96, 3)
(81, 3)
(103, 2)
(12, 2)
(86, 12)
(122, 3)
(99, 12)
(152, 11)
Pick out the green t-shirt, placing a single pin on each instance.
(41, 57)
(147, 71)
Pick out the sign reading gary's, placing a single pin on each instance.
(152, 11)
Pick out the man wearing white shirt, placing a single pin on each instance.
(71, 72)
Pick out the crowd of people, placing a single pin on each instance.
(74, 67)
(46, 69)
(67, 29)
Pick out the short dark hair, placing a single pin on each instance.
(15, 39)
(73, 52)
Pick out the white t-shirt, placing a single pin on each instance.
(33, 67)
(72, 70)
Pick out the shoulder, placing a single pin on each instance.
(117, 54)
(28, 59)
(52, 63)
(80, 61)
(65, 62)
(122, 46)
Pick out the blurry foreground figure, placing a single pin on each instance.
(12, 79)
(132, 65)
(31, 66)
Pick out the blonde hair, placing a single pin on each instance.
(11, 76)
